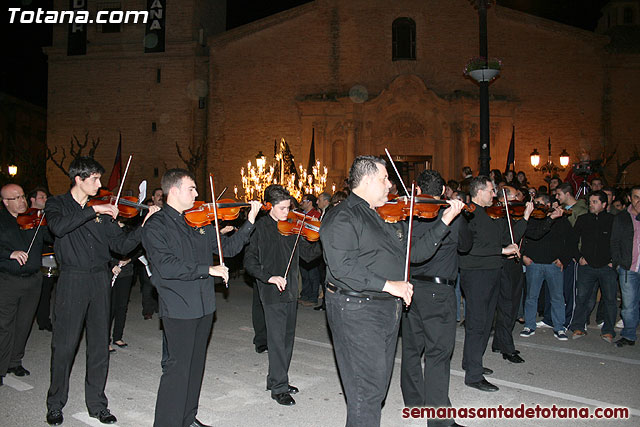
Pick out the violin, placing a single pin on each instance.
(292, 226)
(542, 211)
(425, 206)
(31, 218)
(127, 205)
(497, 210)
(202, 214)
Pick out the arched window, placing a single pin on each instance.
(404, 39)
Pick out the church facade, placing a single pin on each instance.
(358, 75)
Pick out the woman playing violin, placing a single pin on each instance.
(266, 259)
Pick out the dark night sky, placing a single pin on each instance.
(24, 71)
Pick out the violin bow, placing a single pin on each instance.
(506, 209)
(221, 193)
(215, 218)
(397, 173)
(36, 233)
(408, 259)
(123, 178)
(294, 248)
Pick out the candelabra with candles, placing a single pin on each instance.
(257, 178)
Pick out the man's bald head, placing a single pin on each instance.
(14, 199)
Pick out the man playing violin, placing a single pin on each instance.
(182, 271)
(266, 258)
(20, 280)
(84, 236)
(480, 271)
(429, 326)
(509, 294)
(365, 259)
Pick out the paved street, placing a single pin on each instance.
(582, 373)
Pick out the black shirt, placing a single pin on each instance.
(180, 256)
(549, 239)
(444, 263)
(268, 254)
(362, 252)
(12, 238)
(594, 235)
(489, 237)
(83, 238)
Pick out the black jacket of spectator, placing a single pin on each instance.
(594, 235)
(622, 240)
(549, 239)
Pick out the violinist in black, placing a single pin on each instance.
(266, 258)
(429, 326)
(365, 259)
(20, 280)
(84, 235)
(180, 258)
(480, 271)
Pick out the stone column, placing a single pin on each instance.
(350, 149)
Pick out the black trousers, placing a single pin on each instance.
(119, 304)
(281, 331)
(18, 302)
(365, 334)
(587, 284)
(509, 294)
(82, 301)
(149, 292)
(429, 328)
(480, 289)
(181, 381)
(257, 317)
(43, 315)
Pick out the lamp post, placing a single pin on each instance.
(485, 155)
(549, 168)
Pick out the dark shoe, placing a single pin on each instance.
(284, 399)
(121, 343)
(320, 307)
(486, 371)
(105, 417)
(306, 303)
(112, 350)
(197, 423)
(48, 327)
(483, 385)
(261, 349)
(18, 371)
(147, 316)
(623, 341)
(54, 417)
(513, 357)
(292, 389)
(495, 350)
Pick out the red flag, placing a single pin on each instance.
(116, 172)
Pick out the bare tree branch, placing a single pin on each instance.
(60, 163)
(635, 156)
(76, 148)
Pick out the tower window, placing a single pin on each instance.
(404, 39)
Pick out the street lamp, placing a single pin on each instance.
(13, 170)
(549, 167)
